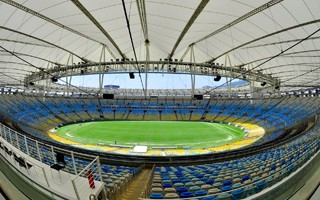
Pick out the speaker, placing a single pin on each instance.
(218, 78)
(131, 75)
(108, 96)
(54, 79)
(198, 97)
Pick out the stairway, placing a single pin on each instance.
(135, 190)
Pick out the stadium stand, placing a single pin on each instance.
(234, 178)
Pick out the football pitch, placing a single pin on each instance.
(152, 133)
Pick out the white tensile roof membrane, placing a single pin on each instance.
(43, 33)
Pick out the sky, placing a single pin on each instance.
(155, 81)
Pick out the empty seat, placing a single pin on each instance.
(269, 181)
(176, 181)
(199, 193)
(213, 191)
(199, 183)
(156, 196)
(166, 181)
(217, 185)
(236, 185)
(224, 196)
(156, 185)
(206, 187)
(171, 196)
(256, 178)
(218, 180)
(250, 190)
(260, 186)
(209, 181)
(176, 185)
(157, 181)
(170, 190)
(237, 194)
(227, 182)
(247, 182)
(194, 188)
(244, 178)
(186, 194)
(236, 180)
(156, 190)
(226, 188)
(264, 175)
(208, 198)
(181, 189)
(189, 184)
(166, 185)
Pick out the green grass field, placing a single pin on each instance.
(152, 133)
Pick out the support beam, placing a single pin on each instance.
(31, 56)
(27, 43)
(192, 70)
(227, 62)
(146, 69)
(69, 78)
(242, 18)
(266, 36)
(44, 41)
(165, 66)
(36, 14)
(101, 74)
(98, 25)
(194, 16)
(143, 18)
(144, 25)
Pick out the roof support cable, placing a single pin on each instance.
(268, 60)
(30, 64)
(132, 44)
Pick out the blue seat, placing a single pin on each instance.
(226, 188)
(156, 196)
(209, 198)
(237, 194)
(244, 178)
(186, 194)
(273, 167)
(166, 185)
(269, 181)
(181, 189)
(260, 186)
(185, 180)
(176, 181)
(224, 196)
(204, 179)
(227, 182)
(209, 181)
(250, 190)
(200, 193)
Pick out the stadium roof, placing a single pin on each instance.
(277, 37)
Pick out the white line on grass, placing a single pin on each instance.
(68, 134)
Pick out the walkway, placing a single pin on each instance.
(137, 187)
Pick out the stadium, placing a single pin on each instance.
(152, 99)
